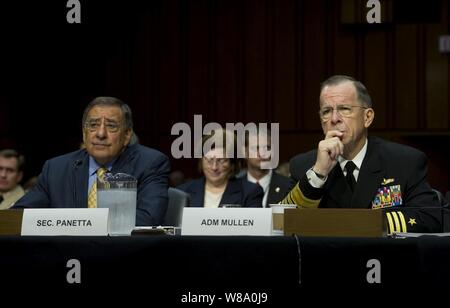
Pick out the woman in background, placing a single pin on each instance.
(219, 186)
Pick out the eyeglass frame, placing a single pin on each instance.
(220, 161)
(111, 126)
(332, 109)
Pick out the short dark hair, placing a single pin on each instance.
(110, 101)
(9, 153)
(361, 90)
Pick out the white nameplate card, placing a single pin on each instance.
(73, 221)
(226, 221)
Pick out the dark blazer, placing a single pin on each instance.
(63, 182)
(279, 187)
(386, 164)
(238, 191)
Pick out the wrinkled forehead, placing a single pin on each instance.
(111, 113)
(343, 93)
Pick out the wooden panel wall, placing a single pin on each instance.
(261, 61)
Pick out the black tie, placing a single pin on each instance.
(259, 185)
(350, 167)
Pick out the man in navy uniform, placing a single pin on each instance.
(351, 170)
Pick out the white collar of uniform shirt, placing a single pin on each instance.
(357, 161)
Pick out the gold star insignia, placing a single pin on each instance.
(412, 221)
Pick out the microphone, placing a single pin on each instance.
(77, 163)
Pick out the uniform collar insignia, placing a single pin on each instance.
(412, 221)
(387, 181)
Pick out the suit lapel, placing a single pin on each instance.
(232, 192)
(369, 179)
(197, 193)
(80, 178)
(277, 189)
(272, 195)
(122, 164)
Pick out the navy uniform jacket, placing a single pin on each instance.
(63, 182)
(386, 165)
(238, 191)
(278, 188)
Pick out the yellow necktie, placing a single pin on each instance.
(92, 196)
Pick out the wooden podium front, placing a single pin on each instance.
(11, 222)
(335, 222)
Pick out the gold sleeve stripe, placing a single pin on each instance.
(296, 196)
(390, 223)
(402, 221)
(396, 222)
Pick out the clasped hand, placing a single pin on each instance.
(328, 152)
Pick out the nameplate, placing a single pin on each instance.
(226, 221)
(80, 222)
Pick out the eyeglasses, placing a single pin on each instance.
(343, 110)
(219, 161)
(94, 125)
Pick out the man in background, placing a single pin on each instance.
(11, 173)
(257, 150)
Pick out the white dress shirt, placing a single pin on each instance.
(212, 200)
(317, 182)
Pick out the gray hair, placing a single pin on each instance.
(361, 90)
(110, 101)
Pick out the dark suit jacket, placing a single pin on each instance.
(64, 180)
(404, 165)
(279, 187)
(238, 191)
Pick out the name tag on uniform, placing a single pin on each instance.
(226, 221)
(81, 222)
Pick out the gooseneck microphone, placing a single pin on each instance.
(77, 163)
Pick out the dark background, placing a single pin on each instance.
(229, 60)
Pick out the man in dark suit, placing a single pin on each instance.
(350, 170)
(67, 180)
(11, 173)
(257, 150)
